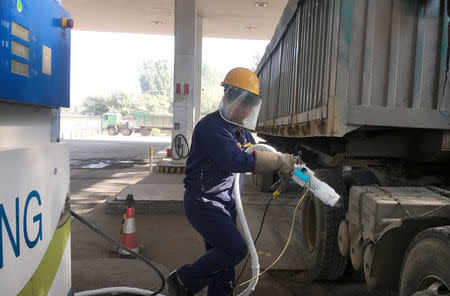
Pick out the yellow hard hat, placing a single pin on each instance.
(242, 78)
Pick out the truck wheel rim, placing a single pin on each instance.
(433, 285)
(309, 224)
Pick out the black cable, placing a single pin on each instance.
(448, 62)
(442, 97)
(256, 239)
(182, 154)
(114, 242)
(448, 8)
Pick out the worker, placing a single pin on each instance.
(217, 152)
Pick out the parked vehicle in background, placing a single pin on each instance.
(148, 121)
(361, 90)
(143, 123)
(113, 123)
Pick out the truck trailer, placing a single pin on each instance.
(143, 123)
(361, 90)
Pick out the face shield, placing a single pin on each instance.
(240, 107)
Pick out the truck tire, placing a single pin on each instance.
(112, 131)
(126, 131)
(264, 182)
(351, 178)
(319, 231)
(145, 132)
(424, 293)
(359, 178)
(426, 265)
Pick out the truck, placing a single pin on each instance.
(360, 89)
(143, 123)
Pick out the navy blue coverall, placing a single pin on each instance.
(217, 151)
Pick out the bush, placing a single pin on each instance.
(155, 132)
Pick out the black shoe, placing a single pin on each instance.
(175, 287)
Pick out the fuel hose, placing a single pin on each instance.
(128, 290)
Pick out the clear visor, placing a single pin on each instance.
(240, 107)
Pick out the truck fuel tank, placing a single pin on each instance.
(373, 208)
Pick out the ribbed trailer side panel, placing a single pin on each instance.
(288, 73)
(264, 78)
(399, 74)
(314, 62)
(274, 88)
(341, 64)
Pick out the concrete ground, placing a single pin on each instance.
(166, 235)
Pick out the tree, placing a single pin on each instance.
(127, 105)
(209, 103)
(255, 61)
(96, 105)
(156, 77)
(161, 105)
(120, 102)
(212, 91)
(156, 81)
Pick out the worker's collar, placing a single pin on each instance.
(230, 126)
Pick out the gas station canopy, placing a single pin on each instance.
(237, 19)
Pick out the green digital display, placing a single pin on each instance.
(19, 5)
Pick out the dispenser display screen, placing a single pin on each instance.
(20, 50)
(20, 31)
(20, 68)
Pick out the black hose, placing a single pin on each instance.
(447, 63)
(448, 8)
(448, 34)
(177, 149)
(114, 242)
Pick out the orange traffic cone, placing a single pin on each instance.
(128, 236)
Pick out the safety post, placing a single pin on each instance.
(151, 159)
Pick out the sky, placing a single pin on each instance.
(105, 62)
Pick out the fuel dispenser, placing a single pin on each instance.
(34, 167)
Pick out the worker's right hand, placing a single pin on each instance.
(287, 163)
(270, 162)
